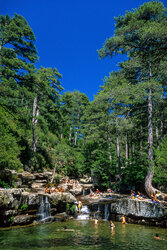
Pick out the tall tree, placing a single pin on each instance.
(142, 35)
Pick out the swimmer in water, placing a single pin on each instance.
(112, 225)
(157, 237)
(96, 221)
(123, 219)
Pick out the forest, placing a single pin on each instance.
(120, 137)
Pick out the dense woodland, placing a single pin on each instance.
(120, 137)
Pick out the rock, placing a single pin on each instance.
(77, 191)
(23, 219)
(63, 197)
(137, 208)
(10, 212)
(86, 180)
(61, 216)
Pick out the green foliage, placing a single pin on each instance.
(67, 208)
(73, 209)
(40, 128)
(57, 179)
(161, 163)
(11, 218)
(70, 209)
(9, 142)
(24, 207)
(4, 184)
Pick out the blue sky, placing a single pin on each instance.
(69, 33)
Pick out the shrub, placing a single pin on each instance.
(24, 207)
(4, 184)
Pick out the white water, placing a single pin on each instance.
(44, 210)
(106, 211)
(84, 213)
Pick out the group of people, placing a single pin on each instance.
(155, 197)
(95, 194)
(111, 223)
(50, 190)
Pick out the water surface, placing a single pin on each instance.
(85, 235)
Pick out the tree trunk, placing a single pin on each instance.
(53, 175)
(69, 139)
(156, 130)
(148, 181)
(61, 136)
(162, 117)
(76, 136)
(141, 138)
(132, 147)
(118, 152)
(109, 142)
(34, 122)
(127, 147)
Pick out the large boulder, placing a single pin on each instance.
(137, 208)
(23, 219)
(63, 197)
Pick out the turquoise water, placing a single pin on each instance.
(86, 235)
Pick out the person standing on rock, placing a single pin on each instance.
(79, 206)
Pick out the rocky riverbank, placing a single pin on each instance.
(28, 203)
(18, 207)
(137, 211)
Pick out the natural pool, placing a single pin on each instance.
(86, 235)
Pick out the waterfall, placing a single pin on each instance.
(98, 210)
(106, 211)
(84, 213)
(44, 209)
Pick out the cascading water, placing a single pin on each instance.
(44, 210)
(84, 213)
(90, 191)
(106, 211)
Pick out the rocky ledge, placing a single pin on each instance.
(136, 210)
(20, 207)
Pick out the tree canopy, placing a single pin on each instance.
(120, 137)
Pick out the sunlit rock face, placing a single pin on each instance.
(20, 207)
(137, 208)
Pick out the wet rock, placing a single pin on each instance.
(23, 219)
(61, 217)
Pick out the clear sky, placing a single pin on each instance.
(69, 33)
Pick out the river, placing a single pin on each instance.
(83, 235)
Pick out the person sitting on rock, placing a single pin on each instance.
(98, 192)
(154, 197)
(46, 190)
(109, 190)
(92, 194)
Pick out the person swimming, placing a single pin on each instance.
(96, 221)
(112, 225)
(157, 237)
